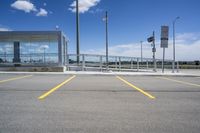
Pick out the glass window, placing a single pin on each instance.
(6, 52)
(39, 52)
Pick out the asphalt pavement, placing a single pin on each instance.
(32, 103)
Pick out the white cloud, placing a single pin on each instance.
(187, 48)
(42, 12)
(27, 6)
(187, 37)
(96, 11)
(4, 29)
(44, 4)
(84, 5)
(24, 5)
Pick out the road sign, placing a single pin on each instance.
(164, 36)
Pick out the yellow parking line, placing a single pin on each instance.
(178, 81)
(11, 79)
(135, 87)
(55, 88)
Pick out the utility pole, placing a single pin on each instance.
(77, 33)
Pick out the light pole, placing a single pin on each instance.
(174, 48)
(77, 32)
(141, 51)
(106, 21)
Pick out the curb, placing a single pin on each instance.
(105, 73)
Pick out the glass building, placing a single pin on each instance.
(35, 48)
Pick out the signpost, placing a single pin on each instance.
(164, 42)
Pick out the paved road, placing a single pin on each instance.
(99, 104)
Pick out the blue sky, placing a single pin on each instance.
(130, 21)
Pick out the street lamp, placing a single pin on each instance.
(174, 48)
(77, 33)
(106, 21)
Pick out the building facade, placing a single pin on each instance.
(34, 48)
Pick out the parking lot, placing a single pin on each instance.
(99, 104)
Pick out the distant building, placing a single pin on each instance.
(33, 48)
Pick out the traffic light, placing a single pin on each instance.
(150, 39)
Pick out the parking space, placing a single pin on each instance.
(91, 103)
(165, 83)
(195, 81)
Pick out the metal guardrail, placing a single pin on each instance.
(115, 63)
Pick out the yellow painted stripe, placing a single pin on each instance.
(16, 78)
(178, 81)
(135, 87)
(55, 88)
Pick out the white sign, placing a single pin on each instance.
(164, 36)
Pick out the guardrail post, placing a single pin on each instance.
(83, 62)
(120, 64)
(147, 64)
(131, 63)
(67, 62)
(116, 63)
(138, 65)
(155, 65)
(101, 63)
(177, 67)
